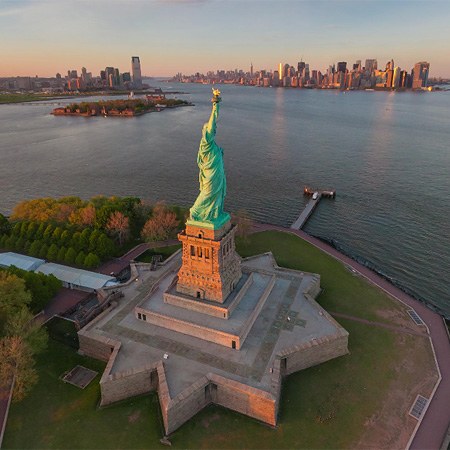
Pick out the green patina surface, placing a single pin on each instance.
(208, 207)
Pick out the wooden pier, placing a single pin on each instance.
(311, 205)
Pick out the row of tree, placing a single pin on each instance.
(85, 248)
(94, 213)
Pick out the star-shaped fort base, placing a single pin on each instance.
(186, 350)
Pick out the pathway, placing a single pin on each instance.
(435, 421)
(118, 264)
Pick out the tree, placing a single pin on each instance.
(87, 216)
(13, 296)
(93, 238)
(11, 242)
(17, 363)
(23, 228)
(105, 247)
(20, 340)
(79, 260)
(103, 215)
(43, 251)
(161, 225)
(20, 243)
(61, 254)
(40, 231)
(31, 230)
(52, 253)
(15, 229)
(75, 242)
(3, 240)
(84, 238)
(118, 225)
(35, 248)
(70, 256)
(48, 233)
(5, 226)
(56, 236)
(66, 235)
(91, 261)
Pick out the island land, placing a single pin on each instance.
(120, 108)
(359, 400)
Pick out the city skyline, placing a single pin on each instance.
(41, 38)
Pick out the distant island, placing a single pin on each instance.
(121, 108)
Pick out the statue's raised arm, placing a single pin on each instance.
(209, 129)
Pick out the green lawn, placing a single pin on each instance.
(165, 252)
(59, 415)
(321, 407)
(342, 291)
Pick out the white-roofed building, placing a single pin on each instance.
(77, 278)
(24, 262)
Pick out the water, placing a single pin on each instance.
(386, 154)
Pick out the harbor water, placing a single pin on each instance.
(387, 155)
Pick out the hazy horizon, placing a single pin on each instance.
(45, 37)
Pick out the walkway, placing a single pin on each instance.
(433, 427)
(306, 213)
(118, 264)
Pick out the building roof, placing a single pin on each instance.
(24, 262)
(77, 277)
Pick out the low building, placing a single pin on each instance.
(71, 277)
(23, 262)
(80, 279)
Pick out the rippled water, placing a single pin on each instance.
(386, 154)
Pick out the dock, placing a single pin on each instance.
(311, 205)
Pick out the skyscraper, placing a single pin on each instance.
(371, 65)
(420, 75)
(136, 71)
(342, 66)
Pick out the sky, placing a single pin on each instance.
(43, 37)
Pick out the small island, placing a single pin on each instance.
(130, 107)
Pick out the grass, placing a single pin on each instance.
(165, 252)
(19, 98)
(343, 292)
(325, 406)
(61, 416)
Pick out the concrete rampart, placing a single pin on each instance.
(313, 352)
(244, 399)
(313, 288)
(255, 313)
(187, 404)
(189, 328)
(128, 384)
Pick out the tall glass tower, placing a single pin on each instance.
(136, 71)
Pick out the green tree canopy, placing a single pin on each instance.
(5, 226)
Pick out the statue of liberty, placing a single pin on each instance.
(209, 204)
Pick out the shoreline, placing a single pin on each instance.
(369, 265)
(60, 112)
(431, 428)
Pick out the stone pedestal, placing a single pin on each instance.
(210, 265)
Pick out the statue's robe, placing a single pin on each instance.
(209, 204)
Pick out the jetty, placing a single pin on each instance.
(316, 196)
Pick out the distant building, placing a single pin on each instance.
(420, 75)
(371, 65)
(342, 66)
(136, 71)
